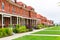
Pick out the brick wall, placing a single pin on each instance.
(32, 14)
(21, 12)
(18, 11)
(0, 4)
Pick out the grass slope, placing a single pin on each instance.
(48, 32)
(38, 38)
(54, 30)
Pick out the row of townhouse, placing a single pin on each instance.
(13, 12)
(43, 20)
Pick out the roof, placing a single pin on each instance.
(29, 7)
(39, 16)
(20, 3)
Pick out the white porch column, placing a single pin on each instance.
(17, 19)
(21, 21)
(32, 21)
(10, 20)
(2, 21)
(35, 22)
(27, 21)
(24, 21)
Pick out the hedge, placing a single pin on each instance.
(5, 32)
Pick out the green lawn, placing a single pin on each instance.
(54, 30)
(48, 32)
(29, 37)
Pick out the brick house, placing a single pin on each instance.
(44, 20)
(13, 12)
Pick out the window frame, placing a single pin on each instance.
(3, 5)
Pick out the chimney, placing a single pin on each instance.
(15, 1)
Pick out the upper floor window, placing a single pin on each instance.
(2, 5)
(13, 10)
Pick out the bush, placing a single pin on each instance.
(29, 27)
(9, 31)
(19, 29)
(1, 34)
(39, 26)
(22, 29)
(16, 29)
(5, 32)
(10, 25)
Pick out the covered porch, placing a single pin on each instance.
(7, 19)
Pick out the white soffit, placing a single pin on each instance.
(6, 15)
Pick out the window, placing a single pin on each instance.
(29, 14)
(2, 5)
(13, 10)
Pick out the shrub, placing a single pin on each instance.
(40, 26)
(10, 25)
(1, 34)
(5, 32)
(22, 29)
(29, 27)
(16, 29)
(19, 29)
(9, 31)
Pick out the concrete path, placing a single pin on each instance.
(44, 35)
(21, 34)
(52, 30)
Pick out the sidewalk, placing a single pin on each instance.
(45, 35)
(20, 35)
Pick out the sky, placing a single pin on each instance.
(47, 8)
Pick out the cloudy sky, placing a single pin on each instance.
(48, 8)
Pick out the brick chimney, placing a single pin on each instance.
(15, 1)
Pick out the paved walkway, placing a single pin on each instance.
(52, 30)
(20, 34)
(44, 35)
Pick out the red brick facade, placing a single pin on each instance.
(44, 20)
(20, 9)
